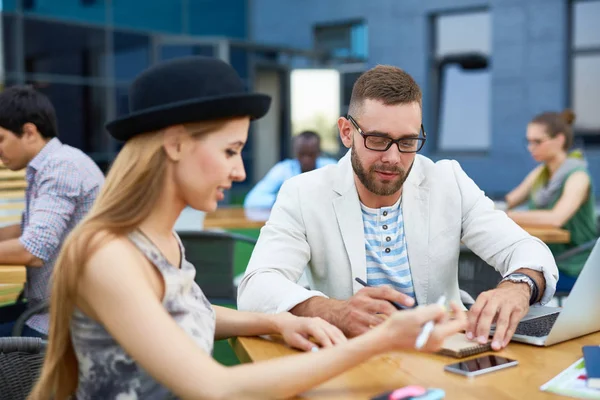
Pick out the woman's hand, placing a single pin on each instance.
(297, 332)
(402, 328)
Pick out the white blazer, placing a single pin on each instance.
(316, 224)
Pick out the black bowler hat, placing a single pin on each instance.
(184, 90)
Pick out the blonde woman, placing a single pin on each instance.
(559, 191)
(127, 319)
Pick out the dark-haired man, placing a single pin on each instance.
(394, 219)
(62, 184)
(307, 150)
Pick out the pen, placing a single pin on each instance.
(426, 331)
(395, 304)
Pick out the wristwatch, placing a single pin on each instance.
(522, 278)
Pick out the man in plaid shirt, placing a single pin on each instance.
(62, 184)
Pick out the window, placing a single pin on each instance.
(131, 54)
(170, 51)
(64, 49)
(153, 15)
(8, 5)
(348, 40)
(81, 115)
(76, 10)
(462, 81)
(218, 18)
(8, 43)
(585, 69)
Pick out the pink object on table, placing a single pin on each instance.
(407, 392)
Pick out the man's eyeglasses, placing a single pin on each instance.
(380, 142)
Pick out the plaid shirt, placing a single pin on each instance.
(62, 184)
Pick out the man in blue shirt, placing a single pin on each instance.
(307, 149)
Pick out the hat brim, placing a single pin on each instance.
(253, 105)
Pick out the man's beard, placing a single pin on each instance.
(370, 181)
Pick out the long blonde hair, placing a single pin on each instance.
(127, 198)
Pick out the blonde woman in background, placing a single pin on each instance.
(559, 191)
(127, 319)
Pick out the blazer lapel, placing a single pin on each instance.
(349, 218)
(415, 210)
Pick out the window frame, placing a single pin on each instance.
(572, 53)
(435, 81)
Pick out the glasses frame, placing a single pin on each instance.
(537, 142)
(420, 140)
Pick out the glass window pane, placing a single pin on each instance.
(8, 5)
(65, 49)
(218, 18)
(343, 40)
(168, 52)
(80, 111)
(586, 93)
(8, 44)
(585, 24)
(465, 96)
(77, 10)
(121, 101)
(155, 15)
(132, 54)
(463, 33)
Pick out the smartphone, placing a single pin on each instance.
(481, 365)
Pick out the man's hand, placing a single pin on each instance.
(505, 305)
(357, 314)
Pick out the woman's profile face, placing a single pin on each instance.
(210, 163)
(541, 146)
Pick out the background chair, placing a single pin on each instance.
(20, 322)
(21, 360)
(566, 283)
(474, 274)
(212, 253)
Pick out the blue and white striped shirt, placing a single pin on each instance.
(385, 246)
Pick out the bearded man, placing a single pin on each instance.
(394, 219)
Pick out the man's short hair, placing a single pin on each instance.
(22, 104)
(309, 135)
(387, 84)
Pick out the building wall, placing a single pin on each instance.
(84, 53)
(530, 43)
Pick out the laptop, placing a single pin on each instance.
(545, 326)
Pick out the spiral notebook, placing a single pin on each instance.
(459, 346)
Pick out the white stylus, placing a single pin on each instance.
(426, 331)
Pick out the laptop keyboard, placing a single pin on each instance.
(537, 327)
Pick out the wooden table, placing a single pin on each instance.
(12, 274)
(390, 371)
(236, 218)
(549, 234)
(240, 218)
